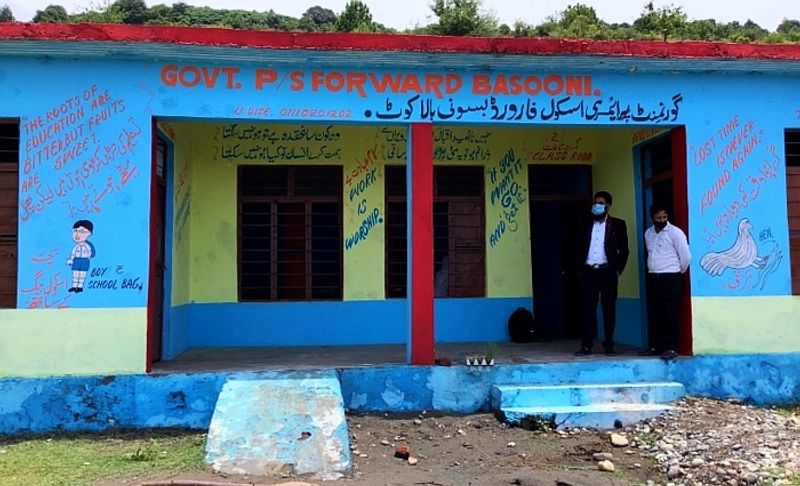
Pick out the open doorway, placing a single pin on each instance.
(559, 197)
(663, 172)
(155, 297)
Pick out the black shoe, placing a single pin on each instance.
(71, 289)
(609, 351)
(648, 352)
(669, 354)
(79, 290)
(584, 351)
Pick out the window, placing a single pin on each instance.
(290, 233)
(9, 202)
(792, 150)
(458, 232)
(396, 232)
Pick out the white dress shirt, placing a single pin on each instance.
(597, 249)
(667, 250)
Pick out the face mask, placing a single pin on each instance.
(660, 225)
(598, 209)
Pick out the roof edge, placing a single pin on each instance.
(234, 38)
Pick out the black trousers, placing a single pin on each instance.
(598, 284)
(663, 304)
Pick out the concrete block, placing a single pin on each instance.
(509, 396)
(292, 422)
(601, 416)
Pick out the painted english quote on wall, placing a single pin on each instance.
(743, 174)
(76, 155)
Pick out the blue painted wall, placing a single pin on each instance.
(188, 400)
(333, 323)
(96, 164)
(86, 149)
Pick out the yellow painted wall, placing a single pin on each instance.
(211, 154)
(613, 172)
(729, 325)
(78, 341)
(215, 152)
(182, 172)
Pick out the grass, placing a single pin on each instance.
(80, 458)
(788, 411)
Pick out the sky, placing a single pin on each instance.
(403, 14)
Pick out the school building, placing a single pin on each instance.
(164, 189)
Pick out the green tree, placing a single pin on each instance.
(522, 29)
(705, 30)
(5, 14)
(789, 30)
(463, 17)
(581, 21)
(318, 19)
(665, 22)
(51, 14)
(355, 17)
(751, 32)
(131, 11)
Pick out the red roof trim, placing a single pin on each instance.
(219, 37)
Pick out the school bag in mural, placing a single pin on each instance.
(522, 326)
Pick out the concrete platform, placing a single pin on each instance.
(325, 357)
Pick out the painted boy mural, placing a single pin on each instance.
(81, 253)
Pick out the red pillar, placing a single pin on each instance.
(681, 219)
(421, 255)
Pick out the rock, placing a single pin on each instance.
(385, 442)
(666, 447)
(511, 444)
(750, 478)
(602, 456)
(697, 462)
(673, 472)
(402, 451)
(618, 440)
(412, 461)
(607, 466)
(417, 422)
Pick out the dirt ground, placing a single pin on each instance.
(474, 450)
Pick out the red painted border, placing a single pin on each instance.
(681, 218)
(152, 280)
(233, 38)
(422, 344)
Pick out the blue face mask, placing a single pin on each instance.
(598, 209)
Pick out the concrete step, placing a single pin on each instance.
(276, 423)
(597, 416)
(514, 396)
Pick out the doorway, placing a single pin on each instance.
(663, 173)
(559, 198)
(155, 297)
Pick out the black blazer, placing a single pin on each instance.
(616, 243)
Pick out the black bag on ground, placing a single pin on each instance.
(521, 326)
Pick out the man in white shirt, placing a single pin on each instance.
(668, 258)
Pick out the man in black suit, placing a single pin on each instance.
(602, 254)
